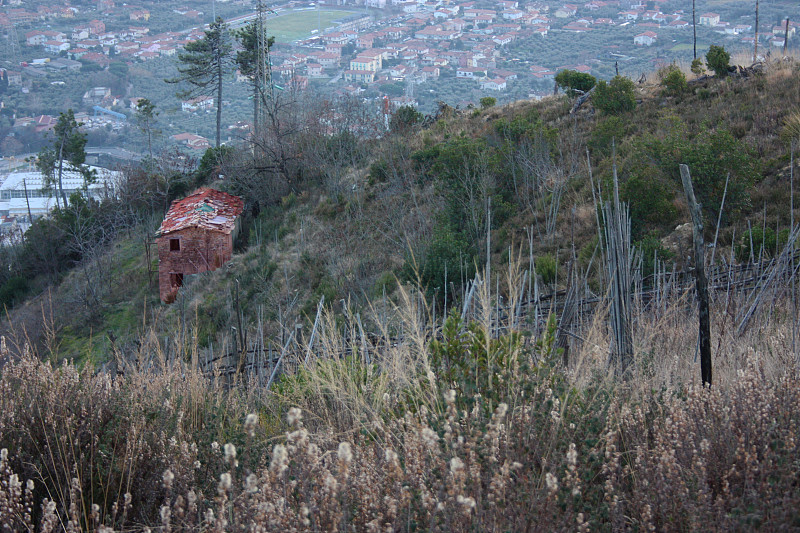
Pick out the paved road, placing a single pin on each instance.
(116, 153)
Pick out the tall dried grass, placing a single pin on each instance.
(457, 429)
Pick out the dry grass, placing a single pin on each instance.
(412, 441)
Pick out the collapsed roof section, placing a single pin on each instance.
(205, 208)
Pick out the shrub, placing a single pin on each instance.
(546, 267)
(462, 361)
(12, 291)
(574, 82)
(652, 249)
(487, 102)
(710, 157)
(718, 60)
(790, 133)
(617, 96)
(649, 196)
(446, 257)
(673, 80)
(697, 66)
(405, 118)
(607, 130)
(528, 126)
(766, 243)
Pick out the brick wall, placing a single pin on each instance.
(199, 251)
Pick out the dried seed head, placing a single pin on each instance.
(280, 458)
(456, 464)
(330, 483)
(225, 481)
(168, 477)
(450, 397)
(467, 502)
(230, 453)
(430, 437)
(345, 453)
(250, 423)
(251, 483)
(295, 416)
(552, 482)
(572, 455)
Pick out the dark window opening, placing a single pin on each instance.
(174, 245)
(177, 279)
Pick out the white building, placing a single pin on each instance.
(647, 38)
(201, 103)
(18, 185)
(709, 19)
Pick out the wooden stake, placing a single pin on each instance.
(791, 229)
(700, 276)
(719, 220)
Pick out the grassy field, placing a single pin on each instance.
(299, 24)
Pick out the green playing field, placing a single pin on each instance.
(299, 24)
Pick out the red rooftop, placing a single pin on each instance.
(196, 236)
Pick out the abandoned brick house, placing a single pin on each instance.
(196, 236)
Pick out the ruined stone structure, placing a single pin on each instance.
(196, 236)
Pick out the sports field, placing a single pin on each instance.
(299, 24)
(688, 46)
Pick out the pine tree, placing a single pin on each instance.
(146, 116)
(247, 60)
(203, 64)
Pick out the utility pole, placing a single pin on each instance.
(13, 44)
(786, 36)
(694, 27)
(755, 47)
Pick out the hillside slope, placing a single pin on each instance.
(413, 207)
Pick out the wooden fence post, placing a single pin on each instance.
(700, 276)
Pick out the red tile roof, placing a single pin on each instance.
(206, 208)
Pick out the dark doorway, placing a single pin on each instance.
(177, 279)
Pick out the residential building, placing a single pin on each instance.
(201, 103)
(647, 38)
(362, 76)
(709, 19)
(495, 84)
(195, 142)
